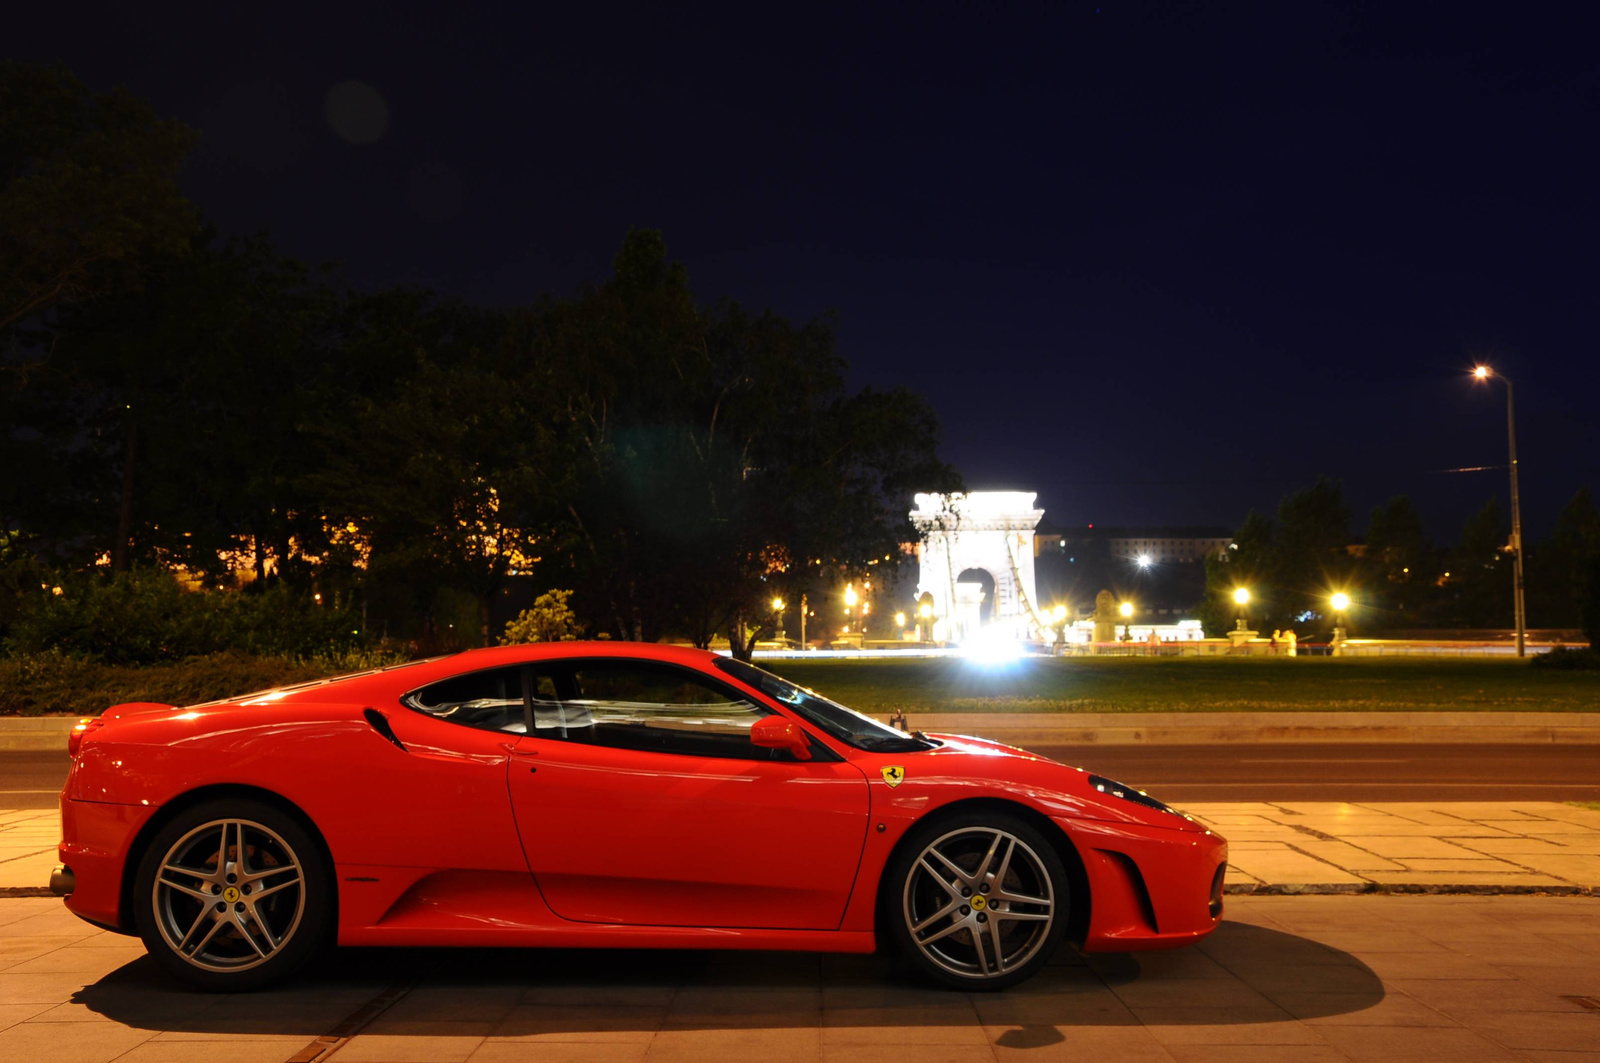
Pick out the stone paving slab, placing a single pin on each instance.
(1421, 847)
(1342, 979)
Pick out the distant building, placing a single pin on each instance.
(1160, 545)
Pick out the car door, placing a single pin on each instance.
(641, 800)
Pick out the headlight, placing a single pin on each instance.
(1128, 793)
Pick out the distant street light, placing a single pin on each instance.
(1126, 609)
(1485, 373)
(1341, 602)
(900, 621)
(1242, 597)
(1144, 560)
(850, 596)
(777, 607)
(1059, 612)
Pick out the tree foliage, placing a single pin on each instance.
(88, 192)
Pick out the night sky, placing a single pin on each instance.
(1159, 262)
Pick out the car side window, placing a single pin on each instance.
(646, 706)
(490, 700)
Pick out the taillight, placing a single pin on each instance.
(81, 728)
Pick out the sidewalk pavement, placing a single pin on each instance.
(1273, 847)
(1372, 979)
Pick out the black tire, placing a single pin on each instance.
(948, 927)
(226, 925)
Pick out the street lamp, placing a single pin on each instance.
(1126, 609)
(1241, 597)
(924, 622)
(777, 607)
(1485, 373)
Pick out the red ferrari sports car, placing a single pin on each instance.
(604, 794)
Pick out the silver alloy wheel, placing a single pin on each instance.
(229, 895)
(979, 902)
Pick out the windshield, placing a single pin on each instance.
(847, 725)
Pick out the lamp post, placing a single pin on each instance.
(803, 621)
(777, 607)
(1340, 602)
(924, 622)
(1241, 597)
(1485, 373)
(1126, 609)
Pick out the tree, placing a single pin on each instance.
(88, 192)
(1312, 556)
(166, 421)
(1402, 564)
(1558, 568)
(719, 458)
(1480, 571)
(444, 481)
(1249, 562)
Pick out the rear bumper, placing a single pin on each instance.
(95, 840)
(1149, 887)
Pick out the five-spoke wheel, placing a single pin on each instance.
(232, 895)
(981, 900)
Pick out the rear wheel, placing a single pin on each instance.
(232, 895)
(980, 900)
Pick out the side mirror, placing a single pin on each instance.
(777, 732)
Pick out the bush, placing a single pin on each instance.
(550, 619)
(44, 683)
(147, 616)
(1563, 658)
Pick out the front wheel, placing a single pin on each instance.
(232, 895)
(979, 900)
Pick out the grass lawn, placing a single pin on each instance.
(1195, 684)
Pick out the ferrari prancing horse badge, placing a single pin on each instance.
(894, 775)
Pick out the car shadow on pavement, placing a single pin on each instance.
(1241, 974)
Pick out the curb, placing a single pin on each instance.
(36, 733)
(1354, 889)
(25, 891)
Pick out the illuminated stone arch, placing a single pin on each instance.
(987, 530)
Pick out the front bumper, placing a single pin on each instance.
(1149, 887)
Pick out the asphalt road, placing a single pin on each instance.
(1347, 772)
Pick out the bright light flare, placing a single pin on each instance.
(1144, 560)
(1059, 612)
(1482, 372)
(992, 649)
(1241, 596)
(1126, 608)
(1341, 602)
(777, 605)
